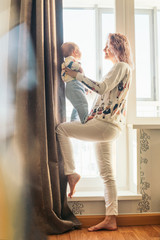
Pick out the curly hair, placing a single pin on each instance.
(120, 47)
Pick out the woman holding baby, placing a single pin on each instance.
(105, 122)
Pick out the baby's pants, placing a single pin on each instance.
(103, 134)
(75, 92)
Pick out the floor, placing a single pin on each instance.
(148, 232)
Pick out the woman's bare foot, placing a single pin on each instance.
(109, 223)
(73, 180)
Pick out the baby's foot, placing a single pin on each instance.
(73, 180)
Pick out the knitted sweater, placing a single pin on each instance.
(111, 102)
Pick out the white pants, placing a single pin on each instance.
(103, 134)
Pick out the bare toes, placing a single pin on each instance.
(73, 180)
(91, 229)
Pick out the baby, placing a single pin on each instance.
(75, 91)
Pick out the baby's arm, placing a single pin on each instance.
(75, 66)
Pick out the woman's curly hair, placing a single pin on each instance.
(120, 47)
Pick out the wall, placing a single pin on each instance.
(149, 166)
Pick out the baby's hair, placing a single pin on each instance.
(68, 48)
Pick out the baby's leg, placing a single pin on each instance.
(76, 94)
(74, 115)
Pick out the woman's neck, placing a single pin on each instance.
(114, 60)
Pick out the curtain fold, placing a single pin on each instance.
(34, 70)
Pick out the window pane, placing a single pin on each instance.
(108, 26)
(82, 32)
(147, 62)
(143, 56)
(79, 27)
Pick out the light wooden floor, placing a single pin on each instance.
(149, 232)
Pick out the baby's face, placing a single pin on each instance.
(77, 53)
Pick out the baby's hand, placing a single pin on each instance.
(80, 70)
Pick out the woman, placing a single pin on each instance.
(104, 124)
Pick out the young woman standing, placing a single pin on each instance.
(104, 124)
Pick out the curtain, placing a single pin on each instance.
(34, 60)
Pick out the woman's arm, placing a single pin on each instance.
(97, 87)
(112, 79)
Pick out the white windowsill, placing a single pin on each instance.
(99, 196)
(144, 126)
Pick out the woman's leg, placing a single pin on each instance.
(91, 131)
(94, 131)
(104, 159)
(80, 131)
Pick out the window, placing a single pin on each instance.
(89, 28)
(147, 44)
(144, 69)
(142, 26)
(82, 32)
(84, 20)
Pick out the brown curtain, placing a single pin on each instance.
(35, 37)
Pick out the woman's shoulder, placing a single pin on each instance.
(119, 67)
(122, 65)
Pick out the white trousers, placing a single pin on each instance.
(103, 134)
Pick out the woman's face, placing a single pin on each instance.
(108, 54)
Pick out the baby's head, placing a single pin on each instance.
(71, 49)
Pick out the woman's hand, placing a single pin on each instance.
(80, 70)
(71, 72)
(89, 118)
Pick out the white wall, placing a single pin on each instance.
(149, 169)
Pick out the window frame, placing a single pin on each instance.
(124, 23)
(152, 54)
(99, 12)
(155, 81)
(95, 183)
(127, 9)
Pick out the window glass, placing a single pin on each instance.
(108, 26)
(147, 80)
(147, 36)
(79, 27)
(143, 56)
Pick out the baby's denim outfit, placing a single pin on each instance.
(75, 91)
